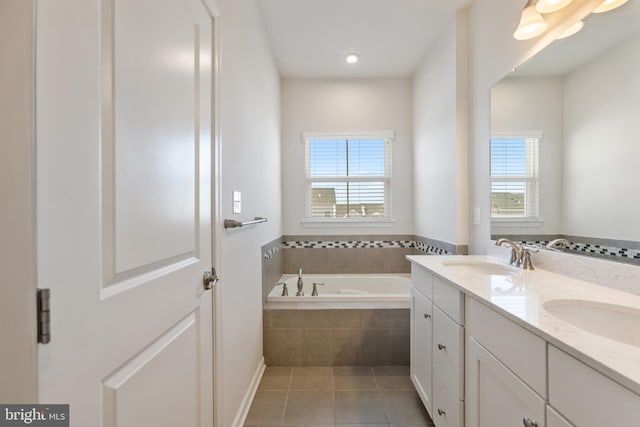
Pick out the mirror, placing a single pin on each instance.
(565, 148)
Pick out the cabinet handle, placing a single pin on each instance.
(441, 412)
(528, 422)
(426, 316)
(441, 346)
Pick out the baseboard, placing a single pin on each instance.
(243, 411)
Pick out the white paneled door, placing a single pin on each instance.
(124, 135)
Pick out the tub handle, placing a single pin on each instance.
(285, 291)
(314, 291)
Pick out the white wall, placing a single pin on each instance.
(345, 105)
(17, 216)
(250, 137)
(602, 100)
(534, 103)
(440, 137)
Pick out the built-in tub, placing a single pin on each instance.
(343, 291)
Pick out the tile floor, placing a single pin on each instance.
(379, 396)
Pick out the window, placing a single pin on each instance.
(348, 176)
(514, 176)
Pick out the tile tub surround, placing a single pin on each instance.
(343, 396)
(336, 337)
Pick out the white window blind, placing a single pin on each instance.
(514, 177)
(348, 176)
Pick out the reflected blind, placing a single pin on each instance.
(514, 177)
(348, 177)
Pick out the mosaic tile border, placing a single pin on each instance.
(430, 249)
(347, 244)
(601, 250)
(355, 244)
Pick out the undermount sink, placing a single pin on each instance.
(482, 267)
(616, 322)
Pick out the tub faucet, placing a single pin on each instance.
(314, 292)
(285, 291)
(300, 292)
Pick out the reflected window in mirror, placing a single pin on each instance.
(515, 176)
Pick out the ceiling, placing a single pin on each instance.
(310, 38)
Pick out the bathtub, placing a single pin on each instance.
(343, 291)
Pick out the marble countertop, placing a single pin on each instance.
(521, 298)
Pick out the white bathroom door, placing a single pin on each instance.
(123, 120)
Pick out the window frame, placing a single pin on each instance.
(388, 136)
(532, 192)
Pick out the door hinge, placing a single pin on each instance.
(44, 319)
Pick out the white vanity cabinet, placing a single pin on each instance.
(497, 397)
(485, 357)
(554, 419)
(506, 371)
(421, 329)
(586, 397)
(437, 346)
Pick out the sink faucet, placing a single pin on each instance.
(520, 254)
(300, 292)
(553, 245)
(516, 250)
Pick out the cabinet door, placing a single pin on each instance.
(554, 419)
(448, 351)
(421, 330)
(496, 397)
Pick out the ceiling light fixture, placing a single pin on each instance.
(608, 5)
(571, 30)
(549, 6)
(531, 23)
(352, 58)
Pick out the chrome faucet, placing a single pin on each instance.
(285, 291)
(553, 245)
(516, 250)
(314, 292)
(520, 254)
(300, 292)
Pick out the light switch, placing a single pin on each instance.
(476, 216)
(237, 202)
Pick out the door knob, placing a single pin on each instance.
(528, 422)
(209, 279)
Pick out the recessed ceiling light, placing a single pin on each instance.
(352, 58)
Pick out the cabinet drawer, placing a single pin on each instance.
(449, 299)
(523, 352)
(556, 420)
(422, 280)
(447, 409)
(448, 351)
(588, 398)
